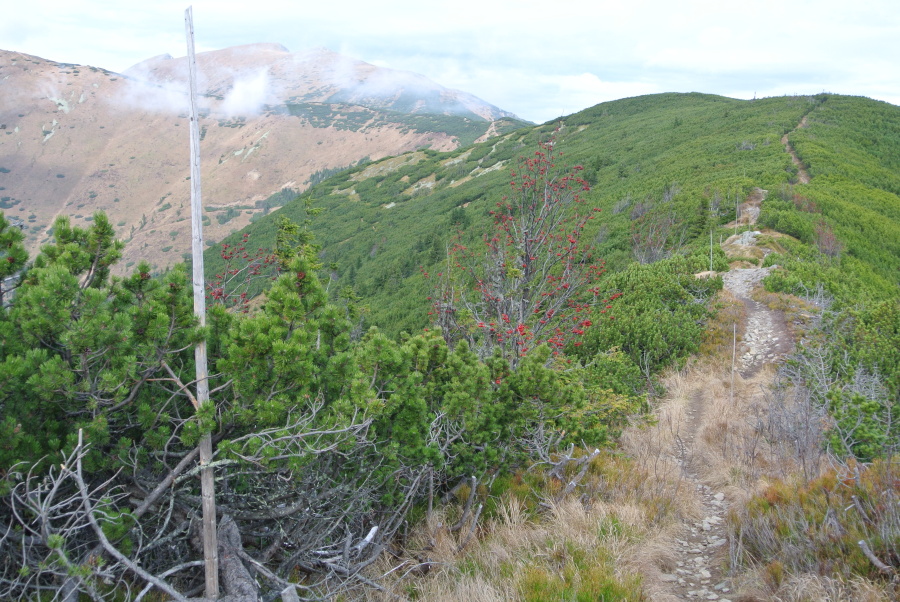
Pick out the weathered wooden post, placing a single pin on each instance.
(207, 477)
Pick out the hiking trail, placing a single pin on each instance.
(695, 421)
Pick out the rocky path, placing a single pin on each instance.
(700, 551)
(748, 212)
(700, 547)
(766, 336)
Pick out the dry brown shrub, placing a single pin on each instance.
(718, 336)
(810, 588)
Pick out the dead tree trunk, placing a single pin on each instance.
(237, 582)
(207, 482)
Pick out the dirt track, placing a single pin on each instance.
(802, 174)
(699, 417)
(766, 336)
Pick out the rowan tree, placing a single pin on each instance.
(533, 281)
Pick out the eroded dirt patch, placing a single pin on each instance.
(748, 211)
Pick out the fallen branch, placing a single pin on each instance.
(165, 484)
(884, 568)
(467, 508)
(98, 531)
(471, 532)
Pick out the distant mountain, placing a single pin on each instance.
(76, 139)
(248, 77)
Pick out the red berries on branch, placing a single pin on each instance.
(536, 271)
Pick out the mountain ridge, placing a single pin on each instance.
(314, 75)
(79, 139)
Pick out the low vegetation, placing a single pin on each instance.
(663, 169)
(437, 376)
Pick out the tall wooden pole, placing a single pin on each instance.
(207, 476)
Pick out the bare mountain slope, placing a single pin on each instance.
(76, 139)
(258, 74)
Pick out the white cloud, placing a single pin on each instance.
(248, 94)
(527, 57)
(587, 89)
(143, 91)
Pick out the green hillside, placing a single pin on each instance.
(851, 147)
(667, 172)
(666, 155)
(670, 163)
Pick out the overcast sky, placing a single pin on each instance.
(536, 59)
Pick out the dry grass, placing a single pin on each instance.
(735, 430)
(622, 523)
(752, 255)
(757, 585)
(567, 539)
(742, 264)
(781, 301)
(769, 240)
(699, 402)
(809, 588)
(737, 442)
(716, 345)
(748, 253)
(735, 451)
(612, 537)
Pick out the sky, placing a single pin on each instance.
(539, 60)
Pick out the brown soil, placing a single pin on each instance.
(80, 139)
